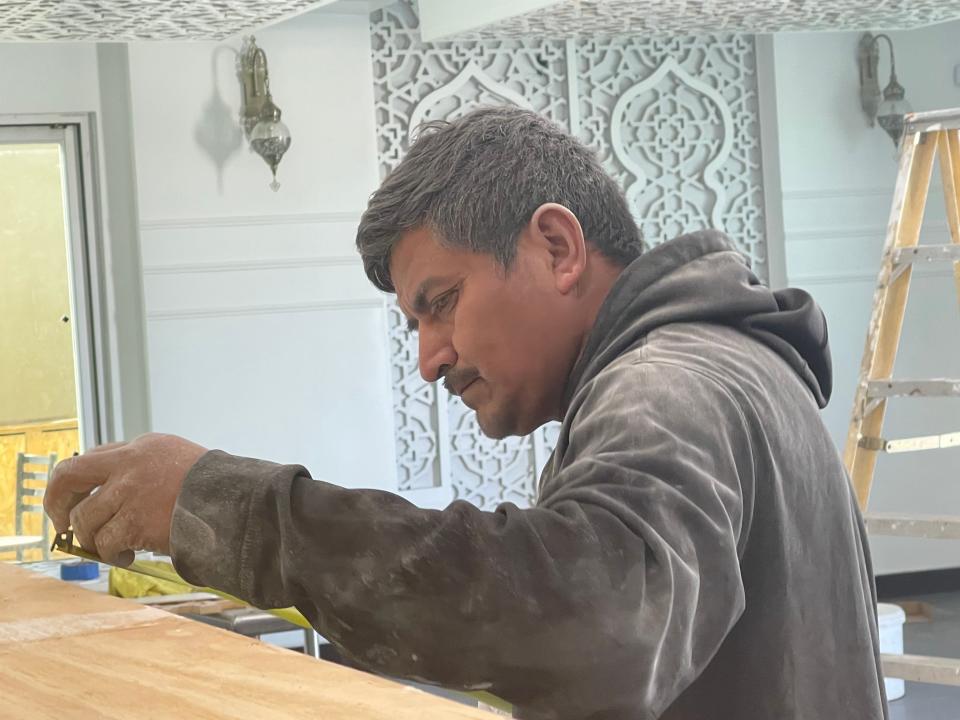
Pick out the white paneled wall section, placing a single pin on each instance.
(265, 337)
(838, 176)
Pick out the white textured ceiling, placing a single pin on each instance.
(126, 20)
(130, 20)
(685, 17)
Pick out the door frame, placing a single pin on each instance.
(76, 135)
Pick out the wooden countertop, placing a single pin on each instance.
(67, 653)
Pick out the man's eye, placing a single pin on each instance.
(444, 302)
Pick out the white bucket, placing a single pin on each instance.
(890, 618)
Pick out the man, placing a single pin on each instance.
(695, 552)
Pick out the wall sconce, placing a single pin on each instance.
(268, 136)
(887, 110)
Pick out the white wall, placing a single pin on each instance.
(838, 177)
(265, 337)
(34, 78)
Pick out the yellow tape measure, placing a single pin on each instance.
(64, 543)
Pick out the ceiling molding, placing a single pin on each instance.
(135, 20)
(564, 18)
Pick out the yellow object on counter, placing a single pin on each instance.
(129, 584)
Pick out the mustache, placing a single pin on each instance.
(455, 379)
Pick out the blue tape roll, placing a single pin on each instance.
(82, 570)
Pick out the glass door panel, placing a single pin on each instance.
(39, 395)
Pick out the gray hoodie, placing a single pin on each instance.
(695, 553)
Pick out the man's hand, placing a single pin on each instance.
(120, 497)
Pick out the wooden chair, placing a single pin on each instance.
(31, 485)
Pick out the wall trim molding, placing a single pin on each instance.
(281, 309)
(862, 276)
(833, 233)
(829, 193)
(247, 265)
(250, 220)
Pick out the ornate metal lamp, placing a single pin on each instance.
(260, 117)
(889, 108)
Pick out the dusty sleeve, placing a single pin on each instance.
(609, 597)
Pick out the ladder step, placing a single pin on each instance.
(920, 668)
(940, 527)
(926, 253)
(911, 444)
(939, 387)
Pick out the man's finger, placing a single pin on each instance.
(73, 479)
(93, 512)
(117, 539)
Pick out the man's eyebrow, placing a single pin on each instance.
(421, 305)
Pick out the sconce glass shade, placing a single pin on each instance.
(260, 117)
(270, 138)
(891, 110)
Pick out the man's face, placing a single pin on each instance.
(503, 340)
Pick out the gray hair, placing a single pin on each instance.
(476, 182)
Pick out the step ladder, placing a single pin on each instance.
(927, 137)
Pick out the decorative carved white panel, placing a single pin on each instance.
(438, 441)
(415, 80)
(125, 20)
(674, 121)
(585, 18)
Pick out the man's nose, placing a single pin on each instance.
(436, 354)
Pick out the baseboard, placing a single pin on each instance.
(923, 582)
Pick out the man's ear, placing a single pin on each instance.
(558, 231)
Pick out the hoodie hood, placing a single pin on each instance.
(700, 277)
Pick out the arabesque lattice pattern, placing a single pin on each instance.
(676, 122)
